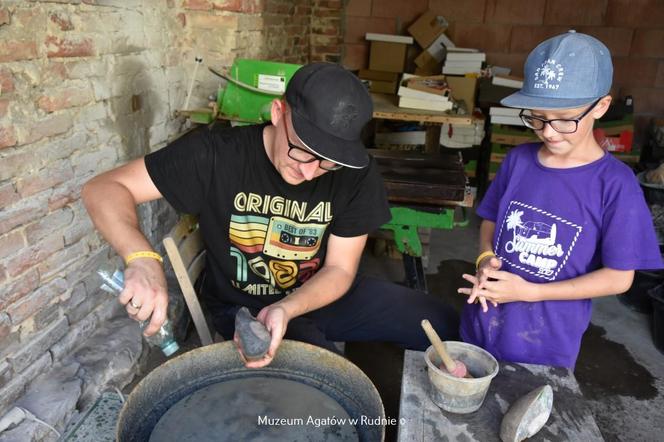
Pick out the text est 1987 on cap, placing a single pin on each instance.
(564, 72)
(330, 106)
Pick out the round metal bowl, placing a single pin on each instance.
(181, 377)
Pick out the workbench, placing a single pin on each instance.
(420, 420)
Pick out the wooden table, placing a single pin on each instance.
(420, 420)
(385, 107)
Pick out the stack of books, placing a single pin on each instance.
(505, 115)
(426, 93)
(460, 61)
(508, 81)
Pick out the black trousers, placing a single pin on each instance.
(372, 310)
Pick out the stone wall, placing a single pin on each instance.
(87, 85)
(507, 30)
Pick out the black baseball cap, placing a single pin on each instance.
(329, 107)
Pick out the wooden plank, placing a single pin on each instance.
(385, 106)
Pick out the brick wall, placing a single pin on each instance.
(87, 85)
(508, 29)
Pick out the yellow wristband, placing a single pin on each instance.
(482, 256)
(144, 254)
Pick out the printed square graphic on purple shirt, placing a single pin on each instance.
(554, 225)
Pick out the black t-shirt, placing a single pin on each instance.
(264, 237)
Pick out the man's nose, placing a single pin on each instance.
(308, 170)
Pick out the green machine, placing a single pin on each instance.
(251, 86)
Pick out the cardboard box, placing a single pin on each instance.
(464, 89)
(380, 82)
(387, 56)
(427, 63)
(427, 28)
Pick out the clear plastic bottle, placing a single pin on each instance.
(113, 282)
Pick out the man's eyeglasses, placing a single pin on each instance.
(302, 155)
(560, 125)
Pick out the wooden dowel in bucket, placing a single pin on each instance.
(450, 364)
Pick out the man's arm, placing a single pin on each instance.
(111, 199)
(330, 283)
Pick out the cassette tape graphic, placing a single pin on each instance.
(291, 240)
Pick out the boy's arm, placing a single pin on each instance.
(111, 199)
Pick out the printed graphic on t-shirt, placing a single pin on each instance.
(279, 249)
(535, 241)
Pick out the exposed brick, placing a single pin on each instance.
(357, 27)
(648, 43)
(4, 107)
(483, 37)
(69, 47)
(76, 335)
(62, 259)
(4, 16)
(6, 81)
(469, 11)
(38, 345)
(65, 98)
(646, 100)
(11, 243)
(47, 315)
(47, 225)
(44, 179)
(5, 373)
(35, 301)
(355, 56)
(200, 5)
(35, 254)
(62, 21)
(523, 12)
(404, 12)
(635, 72)
(15, 50)
(575, 12)
(358, 8)
(21, 213)
(216, 22)
(525, 38)
(8, 194)
(65, 194)
(14, 290)
(47, 127)
(5, 325)
(7, 137)
(618, 40)
(635, 13)
(14, 389)
(245, 6)
(659, 79)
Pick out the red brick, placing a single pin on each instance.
(4, 107)
(245, 6)
(59, 262)
(201, 5)
(525, 38)
(635, 13)
(16, 289)
(357, 27)
(648, 43)
(65, 194)
(7, 137)
(47, 127)
(4, 16)
(44, 179)
(32, 256)
(214, 22)
(469, 11)
(64, 99)
(575, 12)
(69, 47)
(11, 243)
(15, 217)
(659, 79)
(6, 81)
(8, 195)
(486, 38)
(5, 325)
(63, 21)
(358, 8)
(634, 72)
(355, 56)
(404, 11)
(523, 12)
(15, 50)
(618, 40)
(646, 100)
(50, 223)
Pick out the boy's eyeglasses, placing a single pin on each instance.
(560, 125)
(302, 155)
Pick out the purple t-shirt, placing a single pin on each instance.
(553, 225)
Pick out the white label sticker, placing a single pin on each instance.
(272, 83)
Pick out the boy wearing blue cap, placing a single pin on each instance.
(563, 221)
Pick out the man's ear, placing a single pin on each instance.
(601, 107)
(277, 110)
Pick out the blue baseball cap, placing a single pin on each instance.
(564, 72)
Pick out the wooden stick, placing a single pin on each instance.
(450, 364)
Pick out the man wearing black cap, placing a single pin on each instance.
(285, 209)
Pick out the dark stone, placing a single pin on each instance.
(254, 337)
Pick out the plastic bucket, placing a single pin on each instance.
(461, 395)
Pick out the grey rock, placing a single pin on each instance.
(254, 337)
(527, 415)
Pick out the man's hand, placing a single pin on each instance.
(487, 264)
(275, 318)
(145, 294)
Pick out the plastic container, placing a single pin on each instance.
(113, 282)
(461, 395)
(657, 296)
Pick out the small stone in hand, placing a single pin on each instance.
(254, 337)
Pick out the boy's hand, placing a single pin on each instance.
(502, 287)
(488, 263)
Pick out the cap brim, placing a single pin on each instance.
(347, 153)
(524, 101)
